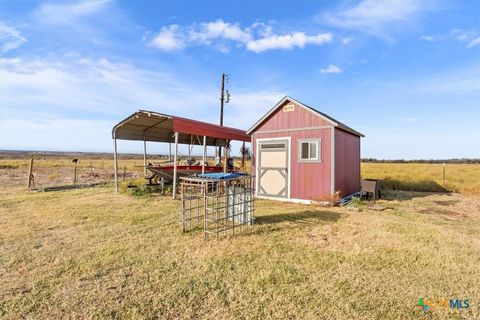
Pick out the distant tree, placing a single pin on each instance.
(438, 161)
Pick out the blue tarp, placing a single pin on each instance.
(221, 175)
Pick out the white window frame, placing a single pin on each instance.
(318, 142)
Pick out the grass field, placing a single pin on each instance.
(464, 178)
(91, 253)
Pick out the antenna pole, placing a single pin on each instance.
(222, 102)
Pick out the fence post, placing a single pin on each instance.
(30, 169)
(75, 174)
(124, 171)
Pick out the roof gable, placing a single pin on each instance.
(321, 115)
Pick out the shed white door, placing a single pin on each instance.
(273, 168)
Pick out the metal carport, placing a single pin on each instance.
(153, 126)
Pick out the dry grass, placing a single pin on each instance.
(93, 254)
(464, 178)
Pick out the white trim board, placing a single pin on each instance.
(292, 200)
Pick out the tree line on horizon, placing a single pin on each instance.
(433, 161)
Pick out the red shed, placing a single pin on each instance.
(302, 154)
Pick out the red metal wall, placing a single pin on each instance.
(347, 162)
(311, 181)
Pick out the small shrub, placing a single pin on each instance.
(138, 188)
(8, 166)
(143, 190)
(357, 203)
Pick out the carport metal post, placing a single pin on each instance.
(226, 156)
(175, 166)
(115, 160)
(144, 156)
(204, 153)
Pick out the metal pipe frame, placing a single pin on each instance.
(175, 167)
(144, 156)
(115, 159)
(226, 157)
(204, 153)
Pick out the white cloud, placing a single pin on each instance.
(58, 14)
(220, 30)
(288, 41)
(251, 105)
(332, 69)
(99, 86)
(219, 35)
(168, 39)
(71, 102)
(474, 42)
(376, 17)
(459, 35)
(427, 38)
(175, 37)
(10, 38)
(347, 40)
(457, 82)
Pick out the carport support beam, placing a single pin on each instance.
(244, 165)
(144, 156)
(226, 157)
(204, 153)
(175, 166)
(115, 162)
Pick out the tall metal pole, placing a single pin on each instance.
(175, 166)
(204, 153)
(244, 165)
(115, 161)
(222, 102)
(226, 157)
(144, 156)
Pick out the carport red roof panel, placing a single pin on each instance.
(200, 128)
(155, 126)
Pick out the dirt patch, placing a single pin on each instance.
(446, 203)
(443, 212)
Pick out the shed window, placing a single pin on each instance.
(309, 150)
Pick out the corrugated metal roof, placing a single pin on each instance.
(159, 127)
(329, 119)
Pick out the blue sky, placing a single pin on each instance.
(406, 73)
